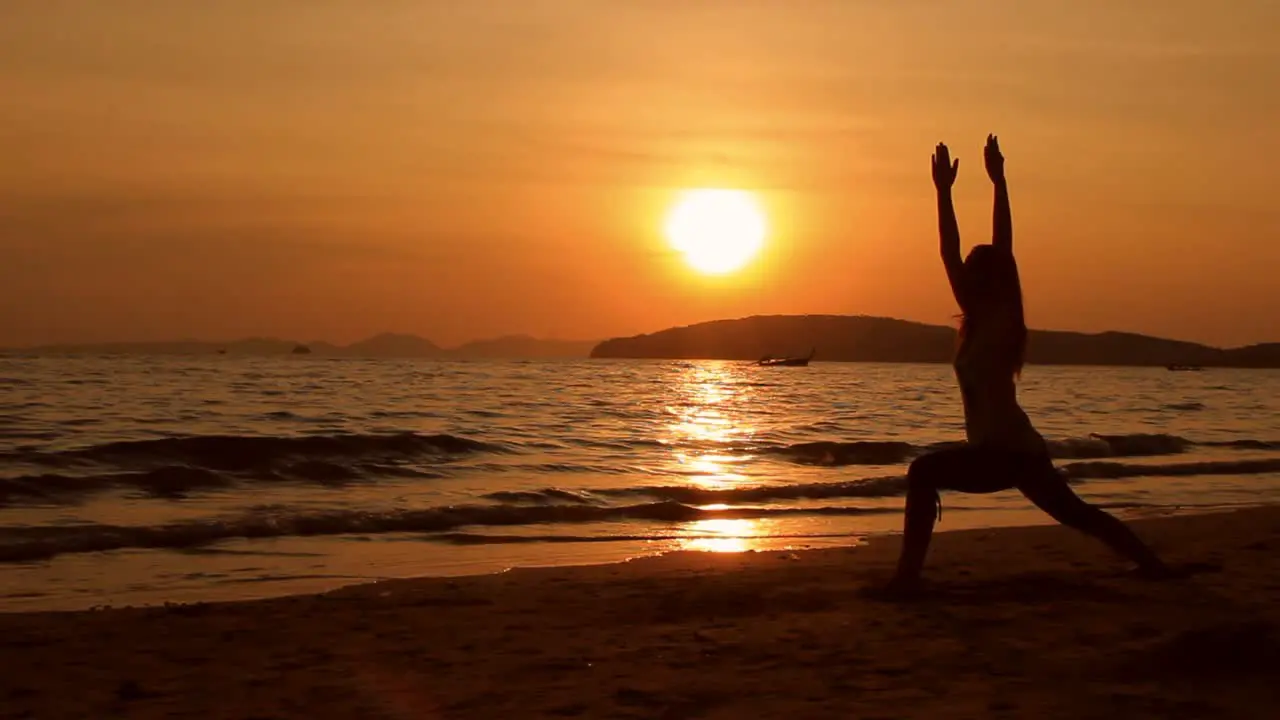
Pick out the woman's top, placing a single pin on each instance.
(992, 415)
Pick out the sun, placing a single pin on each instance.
(718, 231)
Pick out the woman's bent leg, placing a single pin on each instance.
(967, 469)
(917, 528)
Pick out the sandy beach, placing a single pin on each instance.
(1024, 622)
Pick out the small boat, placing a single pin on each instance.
(301, 350)
(768, 361)
(1184, 368)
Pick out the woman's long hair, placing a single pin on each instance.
(991, 289)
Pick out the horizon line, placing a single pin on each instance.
(526, 336)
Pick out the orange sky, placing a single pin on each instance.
(331, 169)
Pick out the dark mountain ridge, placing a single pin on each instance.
(841, 338)
(859, 338)
(385, 345)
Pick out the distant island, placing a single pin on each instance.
(386, 345)
(857, 338)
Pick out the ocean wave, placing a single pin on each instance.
(179, 481)
(667, 504)
(888, 486)
(171, 482)
(29, 544)
(247, 452)
(549, 496)
(1116, 471)
(1135, 445)
(1244, 444)
(833, 453)
(877, 487)
(240, 453)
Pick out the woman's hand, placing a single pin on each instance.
(994, 160)
(1001, 217)
(944, 170)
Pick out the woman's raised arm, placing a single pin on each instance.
(1001, 217)
(944, 176)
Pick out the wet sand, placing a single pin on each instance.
(1023, 622)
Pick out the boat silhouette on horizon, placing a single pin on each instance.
(770, 361)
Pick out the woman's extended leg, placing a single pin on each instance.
(1049, 491)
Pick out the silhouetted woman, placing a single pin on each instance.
(1003, 450)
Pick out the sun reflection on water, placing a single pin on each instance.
(708, 425)
(724, 535)
(709, 430)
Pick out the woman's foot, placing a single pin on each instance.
(896, 590)
(1178, 571)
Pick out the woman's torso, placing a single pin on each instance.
(992, 415)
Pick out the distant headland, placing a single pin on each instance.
(857, 338)
(834, 338)
(385, 345)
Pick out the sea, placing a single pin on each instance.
(132, 480)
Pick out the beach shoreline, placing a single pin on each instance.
(1020, 622)
(310, 566)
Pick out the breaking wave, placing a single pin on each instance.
(1092, 447)
(174, 468)
(655, 503)
(868, 488)
(248, 452)
(676, 504)
(878, 487)
(1116, 471)
(179, 481)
